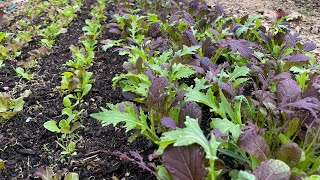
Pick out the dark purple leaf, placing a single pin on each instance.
(191, 37)
(129, 95)
(253, 143)
(162, 16)
(198, 69)
(293, 39)
(122, 107)
(154, 30)
(185, 40)
(156, 96)
(262, 29)
(288, 91)
(185, 162)
(282, 76)
(311, 104)
(217, 133)
(45, 173)
(214, 32)
(1, 13)
(129, 67)
(290, 153)
(235, 28)
(194, 5)
(206, 63)
(190, 109)
(178, 98)
(114, 31)
(157, 43)
(188, 18)
(267, 98)
(149, 72)
(239, 45)
(255, 69)
(307, 47)
(265, 38)
(168, 122)
(202, 23)
(112, 25)
(205, 44)
(314, 90)
(280, 38)
(132, 41)
(174, 18)
(219, 9)
(272, 170)
(299, 58)
(228, 88)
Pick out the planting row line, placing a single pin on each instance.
(75, 84)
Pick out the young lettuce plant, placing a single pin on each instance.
(66, 127)
(46, 173)
(77, 81)
(9, 107)
(82, 58)
(91, 30)
(50, 33)
(25, 74)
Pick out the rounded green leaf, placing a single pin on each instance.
(51, 126)
(72, 176)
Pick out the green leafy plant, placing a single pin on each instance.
(66, 127)
(261, 87)
(9, 106)
(21, 72)
(92, 28)
(77, 81)
(82, 58)
(50, 33)
(46, 173)
(2, 165)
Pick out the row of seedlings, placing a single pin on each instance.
(76, 83)
(11, 106)
(22, 32)
(60, 20)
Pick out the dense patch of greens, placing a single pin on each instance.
(261, 87)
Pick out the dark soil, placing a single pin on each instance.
(26, 145)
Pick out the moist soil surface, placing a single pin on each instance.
(26, 145)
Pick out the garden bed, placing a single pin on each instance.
(184, 80)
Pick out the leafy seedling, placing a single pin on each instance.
(25, 74)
